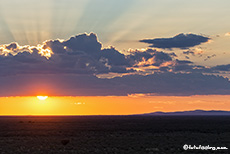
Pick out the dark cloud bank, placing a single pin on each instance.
(181, 41)
(75, 67)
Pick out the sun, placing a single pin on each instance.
(42, 98)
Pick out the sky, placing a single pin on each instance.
(99, 51)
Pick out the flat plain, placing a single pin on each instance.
(112, 134)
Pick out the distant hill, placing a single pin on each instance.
(190, 113)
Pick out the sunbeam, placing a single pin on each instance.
(5, 30)
(98, 15)
(65, 14)
(127, 23)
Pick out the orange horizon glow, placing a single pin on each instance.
(109, 105)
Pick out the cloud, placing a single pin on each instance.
(181, 41)
(189, 52)
(195, 52)
(222, 67)
(14, 49)
(89, 85)
(80, 66)
(149, 57)
(209, 57)
(80, 54)
(227, 34)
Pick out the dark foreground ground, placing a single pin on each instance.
(119, 134)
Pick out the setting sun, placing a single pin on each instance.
(42, 98)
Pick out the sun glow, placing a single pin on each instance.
(42, 98)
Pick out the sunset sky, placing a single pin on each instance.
(108, 57)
